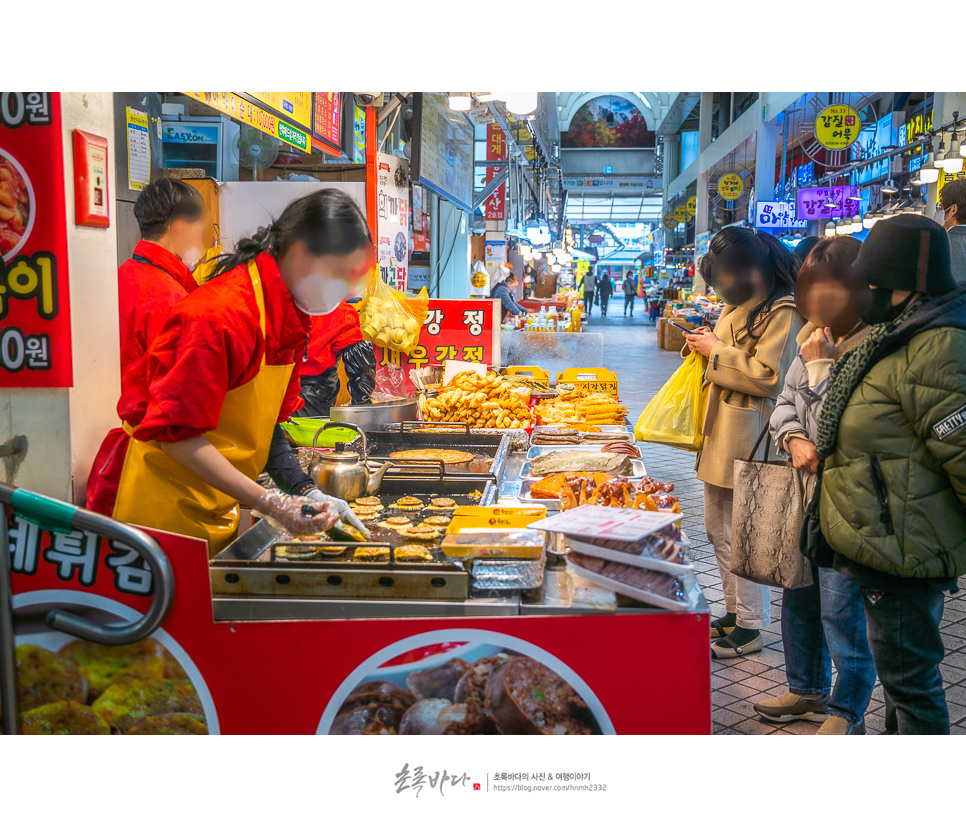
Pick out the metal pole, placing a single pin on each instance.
(8, 658)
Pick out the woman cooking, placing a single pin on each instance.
(224, 371)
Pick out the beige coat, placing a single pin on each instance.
(743, 378)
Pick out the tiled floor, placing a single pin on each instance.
(630, 350)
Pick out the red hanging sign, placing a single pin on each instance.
(35, 345)
(495, 207)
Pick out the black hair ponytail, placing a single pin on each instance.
(328, 221)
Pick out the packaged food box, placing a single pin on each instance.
(485, 543)
(495, 517)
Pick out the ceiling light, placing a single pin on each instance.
(551, 260)
(857, 223)
(460, 101)
(487, 96)
(555, 267)
(869, 220)
(955, 147)
(953, 164)
(521, 103)
(889, 187)
(843, 227)
(928, 174)
(918, 207)
(940, 154)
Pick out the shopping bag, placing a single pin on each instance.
(675, 416)
(769, 507)
(390, 318)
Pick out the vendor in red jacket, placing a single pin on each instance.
(337, 336)
(171, 218)
(223, 372)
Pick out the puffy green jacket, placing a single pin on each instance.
(894, 491)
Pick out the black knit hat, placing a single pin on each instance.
(908, 252)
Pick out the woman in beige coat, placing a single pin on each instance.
(751, 348)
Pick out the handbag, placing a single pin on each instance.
(769, 508)
(811, 538)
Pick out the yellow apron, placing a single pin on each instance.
(157, 491)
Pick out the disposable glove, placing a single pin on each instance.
(339, 506)
(297, 515)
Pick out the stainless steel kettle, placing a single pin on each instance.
(345, 474)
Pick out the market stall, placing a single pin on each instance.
(434, 633)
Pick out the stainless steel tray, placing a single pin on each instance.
(638, 470)
(507, 574)
(536, 451)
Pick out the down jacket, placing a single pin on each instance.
(894, 490)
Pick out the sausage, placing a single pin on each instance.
(438, 682)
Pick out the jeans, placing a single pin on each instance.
(750, 601)
(588, 302)
(907, 647)
(822, 623)
(603, 301)
(628, 299)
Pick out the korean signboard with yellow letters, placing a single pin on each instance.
(837, 127)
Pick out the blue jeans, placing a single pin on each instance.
(905, 639)
(822, 623)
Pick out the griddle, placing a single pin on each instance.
(491, 449)
(250, 566)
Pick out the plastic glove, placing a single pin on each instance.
(360, 370)
(289, 513)
(339, 506)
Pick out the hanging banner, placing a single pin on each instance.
(233, 105)
(823, 203)
(35, 343)
(775, 216)
(393, 206)
(692, 206)
(681, 213)
(495, 206)
(731, 187)
(670, 221)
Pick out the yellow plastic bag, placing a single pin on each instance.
(390, 318)
(675, 416)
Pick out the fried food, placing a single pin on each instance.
(489, 401)
(62, 719)
(421, 531)
(369, 501)
(447, 456)
(575, 461)
(370, 554)
(363, 513)
(443, 503)
(45, 678)
(408, 502)
(413, 553)
(549, 488)
(579, 408)
(397, 521)
(102, 665)
(437, 520)
(127, 700)
(171, 724)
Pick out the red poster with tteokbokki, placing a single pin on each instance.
(35, 340)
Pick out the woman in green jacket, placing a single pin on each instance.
(892, 447)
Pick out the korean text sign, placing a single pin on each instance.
(811, 202)
(35, 340)
(459, 329)
(393, 226)
(777, 215)
(495, 150)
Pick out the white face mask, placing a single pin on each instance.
(317, 295)
(191, 257)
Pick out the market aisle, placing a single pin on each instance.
(630, 350)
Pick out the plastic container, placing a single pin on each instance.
(302, 430)
(507, 575)
(484, 543)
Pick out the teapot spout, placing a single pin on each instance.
(375, 478)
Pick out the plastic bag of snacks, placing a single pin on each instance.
(392, 319)
(675, 416)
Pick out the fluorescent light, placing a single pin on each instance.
(460, 101)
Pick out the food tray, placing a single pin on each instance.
(549, 503)
(647, 562)
(507, 574)
(690, 589)
(605, 428)
(638, 470)
(536, 451)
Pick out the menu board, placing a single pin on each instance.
(443, 149)
(327, 120)
(294, 106)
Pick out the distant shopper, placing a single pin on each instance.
(892, 452)
(504, 290)
(825, 621)
(605, 289)
(589, 283)
(529, 279)
(954, 220)
(630, 291)
(749, 353)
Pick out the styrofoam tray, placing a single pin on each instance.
(629, 559)
(690, 590)
(536, 451)
(638, 470)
